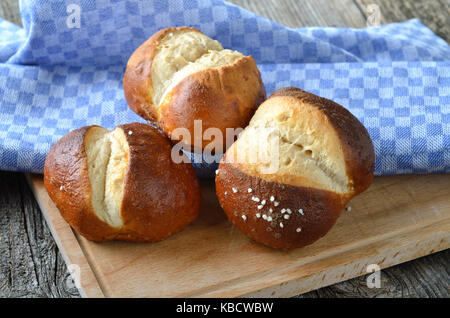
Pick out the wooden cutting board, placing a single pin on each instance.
(397, 219)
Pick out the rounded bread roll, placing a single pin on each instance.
(286, 179)
(179, 75)
(121, 184)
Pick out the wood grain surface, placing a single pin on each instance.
(397, 219)
(31, 266)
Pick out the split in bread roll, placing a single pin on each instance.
(121, 184)
(287, 178)
(179, 75)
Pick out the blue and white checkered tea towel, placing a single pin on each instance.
(64, 69)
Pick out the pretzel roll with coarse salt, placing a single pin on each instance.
(180, 76)
(121, 184)
(287, 178)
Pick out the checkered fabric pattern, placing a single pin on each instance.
(54, 78)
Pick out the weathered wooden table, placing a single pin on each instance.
(31, 266)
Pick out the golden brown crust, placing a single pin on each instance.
(320, 208)
(225, 97)
(137, 81)
(222, 98)
(66, 180)
(155, 183)
(268, 223)
(355, 140)
(160, 196)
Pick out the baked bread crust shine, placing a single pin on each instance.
(160, 197)
(321, 209)
(291, 207)
(222, 97)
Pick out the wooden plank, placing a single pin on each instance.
(9, 10)
(31, 265)
(435, 13)
(399, 218)
(294, 13)
(66, 240)
(352, 263)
